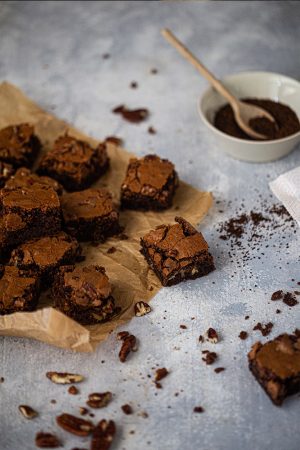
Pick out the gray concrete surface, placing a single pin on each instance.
(53, 51)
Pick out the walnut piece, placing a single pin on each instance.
(141, 309)
(64, 377)
(103, 435)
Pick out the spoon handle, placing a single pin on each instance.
(169, 36)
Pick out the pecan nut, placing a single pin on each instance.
(64, 377)
(141, 309)
(75, 425)
(47, 440)
(103, 435)
(161, 373)
(99, 400)
(129, 345)
(27, 411)
(212, 336)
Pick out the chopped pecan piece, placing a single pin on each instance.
(103, 435)
(47, 440)
(161, 373)
(264, 329)
(129, 345)
(212, 336)
(141, 309)
(75, 425)
(127, 409)
(219, 369)
(210, 357)
(27, 411)
(99, 400)
(64, 377)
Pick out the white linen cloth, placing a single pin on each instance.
(287, 189)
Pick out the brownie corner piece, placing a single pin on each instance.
(84, 293)
(18, 290)
(19, 146)
(74, 163)
(42, 257)
(24, 178)
(177, 252)
(276, 366)
(150, 184)
(90, 215)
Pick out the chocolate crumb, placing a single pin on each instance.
(264, 329)
(277, 295)
(247, 317)
(243, 335)
(219, 369)
(73, 390)
(127, 409)
(53, 402)
(289, 299)
(161, 373)
(183, 327)
(278, 311)
(154, 71)
(133, 85)
(201, 338)
(132, 115)
(111, 250)
(210, 357)
(2, 379)
(198, 409)
(158, 385)
(151, 130)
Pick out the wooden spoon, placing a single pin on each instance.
(243, 112)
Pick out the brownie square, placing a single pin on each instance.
(90, 215)
(276, 366)
(28, 213)
(25, 178)
(19, 146)
(177, 252)
(74, 163)
(41, 257)
(150, 184)
(84, 294)
(18, 291)
(6, 171)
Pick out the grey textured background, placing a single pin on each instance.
(53, 51)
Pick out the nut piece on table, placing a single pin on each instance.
(47, 440)
(75, 425)
(64, 377)
(99, 400)
(161, 373)
(141, 309)
(27, 411)
(103, 435)
(129, 345)
(212, 336)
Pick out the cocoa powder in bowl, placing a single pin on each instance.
(286, 120)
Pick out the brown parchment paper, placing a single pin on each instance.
(130, 276)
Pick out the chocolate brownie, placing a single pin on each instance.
(18, 291)
(19, 146)
(74, 163)
(276, 366)
(150, 184)
(41, 257)
(29, 212)
(177, 252)
(90, 215)
(25, 178)
(83, 293)
(6, 171)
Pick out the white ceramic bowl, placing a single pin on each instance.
(260, 85)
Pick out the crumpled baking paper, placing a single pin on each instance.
(287, 189)
(131, 278)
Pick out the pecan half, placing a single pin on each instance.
(161, 373)
(64, 377)
(129, 345)
(47, 440)
(75, 425)
(141, 309)
(103, 435)
(27, 411)
(99, 400)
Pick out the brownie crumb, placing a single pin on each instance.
(243, 335)
(210, 357)
(127, 409)
(219, 369)
(289, 299)
(278, 295)
(2, 379)
(161, 373)
(198, 409)
(53, 401)
(133, 85)
(73, 390)
(264, 329)
(247, 317)
(158, 385)
(132, 115)
(278, 311)
(201, 338)
(151, 130)
(111, 250)
(183, 327)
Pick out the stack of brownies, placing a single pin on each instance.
(44, 215)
